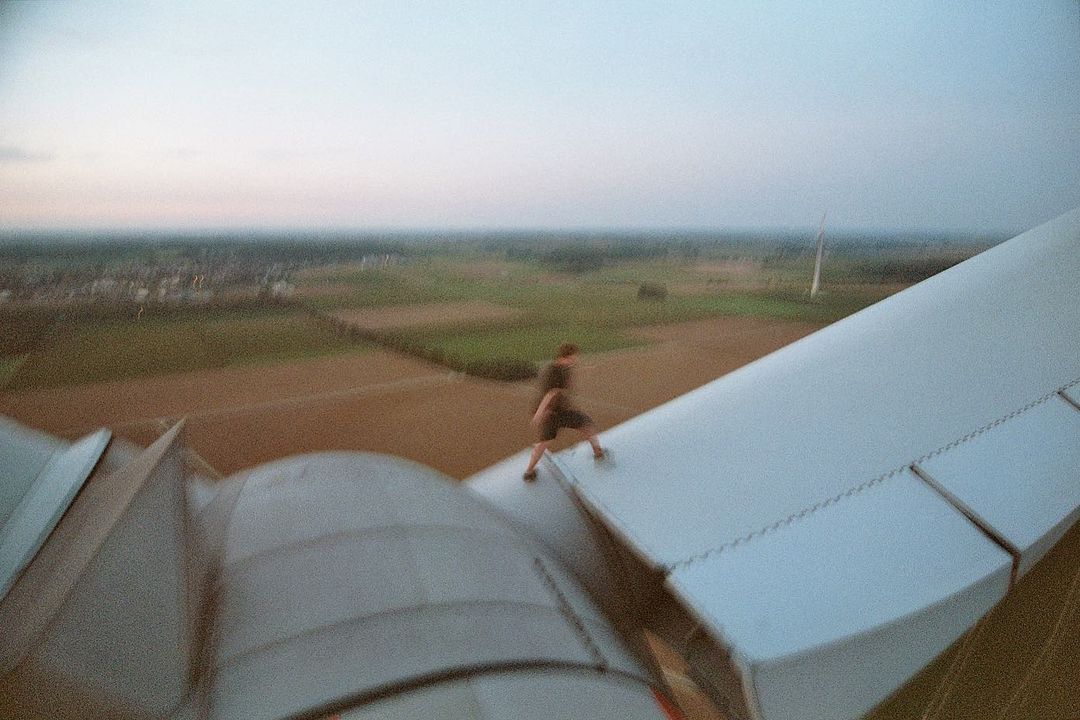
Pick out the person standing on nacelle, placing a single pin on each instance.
(554, 410)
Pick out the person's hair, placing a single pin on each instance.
(566, 350)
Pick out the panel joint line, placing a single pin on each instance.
(993, 535)
(1066, 398)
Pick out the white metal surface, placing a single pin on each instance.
(23, 454)
(867, 590)
(714, 487)
(1072, 394)
(547, 509)
(1022, 478)
(45, 500)
(346, 576)
(137, 652)
(101, 622)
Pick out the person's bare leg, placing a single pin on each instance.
(590, 434)
(537, 453)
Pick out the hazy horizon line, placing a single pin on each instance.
(309, 231)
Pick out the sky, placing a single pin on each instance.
(902, 116)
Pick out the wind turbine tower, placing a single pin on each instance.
(817, 263)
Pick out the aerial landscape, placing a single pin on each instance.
(428, 351)
(309, 341)
(265, 231)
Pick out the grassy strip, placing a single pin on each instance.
(526, 343)
(74, 353)
(8, 366)
(599, 322)
(492, 367)
(594, 310)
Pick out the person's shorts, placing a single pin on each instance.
(563, 418)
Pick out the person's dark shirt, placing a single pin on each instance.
(554, 377)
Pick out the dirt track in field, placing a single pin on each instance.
(378, 401)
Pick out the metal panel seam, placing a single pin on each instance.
(855, 490)
(1000, 421)
(236, 566)
(464, 672)
(567, 480)
(360, 619)
(984, 527)
(571, 617)
(1067, 399)
(784, 522)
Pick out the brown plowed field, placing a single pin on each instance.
(685, 356)
(242, 416)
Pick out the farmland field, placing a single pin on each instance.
(523, 309)
(241, 415)
(72, 353)
(408, 316)
(491, 310)
(65, 368)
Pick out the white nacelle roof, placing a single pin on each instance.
(346, 576)
(778, 498)
(858, 595)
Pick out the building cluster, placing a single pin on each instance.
(140, 281)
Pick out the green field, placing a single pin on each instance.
(73, 352)
(586, 294)
(595, 310)
(524, 342)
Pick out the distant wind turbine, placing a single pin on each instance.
(817, 263)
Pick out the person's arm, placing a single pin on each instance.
(541, 411)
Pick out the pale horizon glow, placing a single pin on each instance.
(335, 115)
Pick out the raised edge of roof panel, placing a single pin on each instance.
(44, 502)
